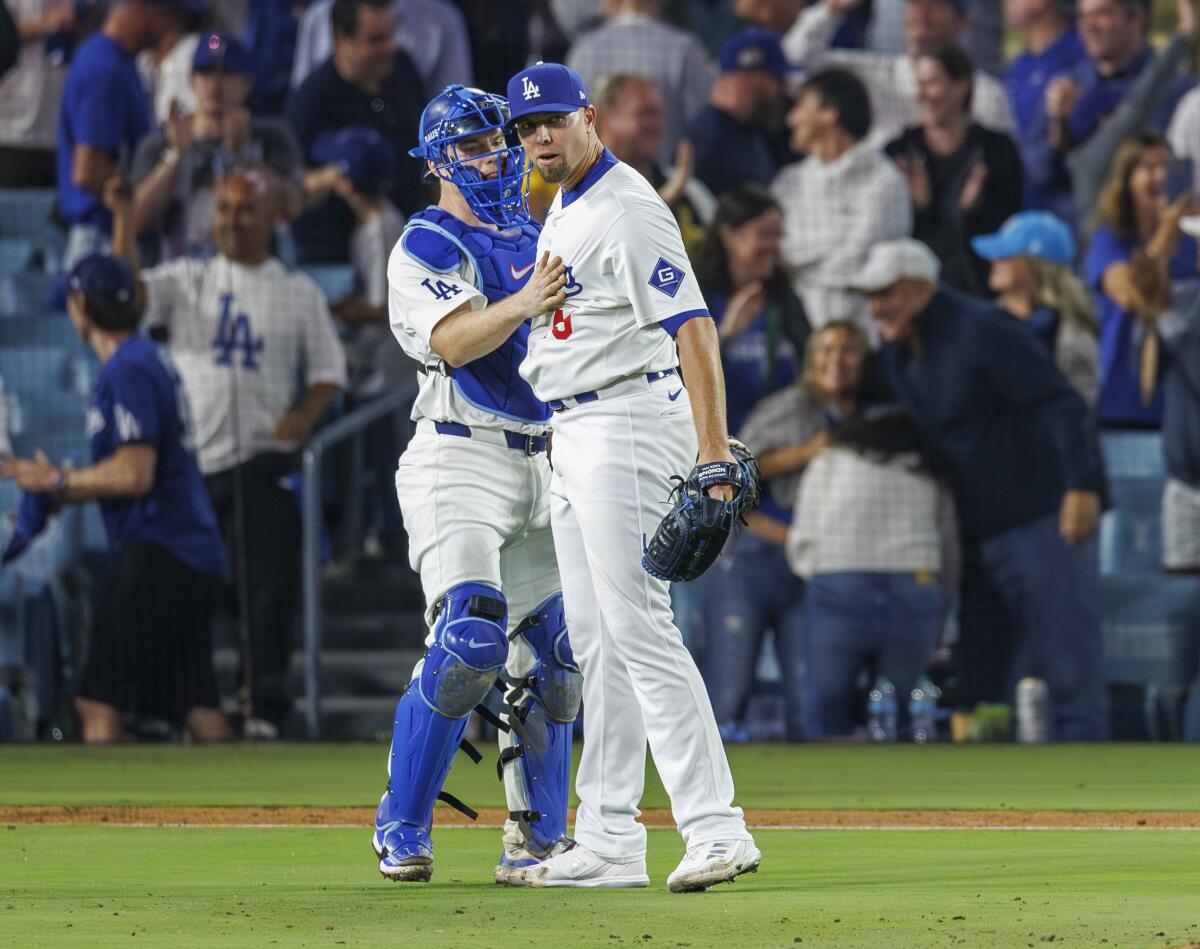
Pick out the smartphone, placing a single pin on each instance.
(1179, 177)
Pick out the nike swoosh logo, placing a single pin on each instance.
(518, 274)
(674, 395)
(474, 643)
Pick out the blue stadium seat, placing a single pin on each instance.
(25, 212)
(1151, 629)
(1131, 533)
(27, 294)
(335, 280)
(26, 217)
(16, 254)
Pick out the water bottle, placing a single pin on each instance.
(922, 711)
(881, 711)
(1033, 711)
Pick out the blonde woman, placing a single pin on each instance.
(1031, 258)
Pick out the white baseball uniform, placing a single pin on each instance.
(475, 509)
(623, 426)
(240, 337)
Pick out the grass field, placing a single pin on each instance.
(90, 885)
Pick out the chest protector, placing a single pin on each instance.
(499, 263)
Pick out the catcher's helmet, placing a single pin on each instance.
(456, 113)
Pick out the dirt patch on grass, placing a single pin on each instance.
(494, 817)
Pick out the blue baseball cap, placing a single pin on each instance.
(219, 51)
(545, 87)
(754, 49)
(103, 279)
(1036, 233)
(360, 153)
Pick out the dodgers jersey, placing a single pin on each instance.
(138, 401)
(627, 273)
(438, 265)
(241, 338)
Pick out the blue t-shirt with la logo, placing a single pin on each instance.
(139, 401)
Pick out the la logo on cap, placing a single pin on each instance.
(529, 90)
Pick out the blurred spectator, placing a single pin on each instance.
(838, 202)
(1022, 459)
(1136, 250)
(166, 67)
(432, 32)
(31, 92)
(1115, 35)
(1032, 257)
(243, 332)
(775, 15)
(1106, 98)
(1051, 47)
(629, 120)
(929, 27)
(751, 588)
(964, 179)
(367, 82)
(375, 365)
(575, 16)
(1181, 443)
(150, 651)
(104, 115)
(634, 39)
(174, 169)
(365, 161)
(760, 321)
(868, 537)
(732, 133)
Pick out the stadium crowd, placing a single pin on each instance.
(949, 245)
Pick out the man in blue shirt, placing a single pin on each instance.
(1114, 34)
(1052, 48)
(732, 134)
(104, 113)
(1022, 460)
(151, 650)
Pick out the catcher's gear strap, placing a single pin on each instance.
(447, 798)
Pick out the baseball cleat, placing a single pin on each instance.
(576, 866)
(516, 858)
(717, 862)
(406, 854)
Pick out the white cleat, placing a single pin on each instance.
(579, 867)
(717, 862)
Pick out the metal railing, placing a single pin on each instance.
(318, 447)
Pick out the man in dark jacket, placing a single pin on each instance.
(1022, 459)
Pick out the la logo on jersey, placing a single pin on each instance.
(234, 332)
(529, 89)
(667, 278)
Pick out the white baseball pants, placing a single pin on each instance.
(612, 460)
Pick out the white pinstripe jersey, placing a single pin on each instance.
(244, 340)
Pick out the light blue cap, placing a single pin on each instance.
(1036, 233)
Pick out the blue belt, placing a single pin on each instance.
(559, 405)
(527, 444)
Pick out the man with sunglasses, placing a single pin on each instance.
(473, 484)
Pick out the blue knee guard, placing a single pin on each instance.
(459, 668)
(544, 702)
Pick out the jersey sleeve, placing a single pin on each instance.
(420, 297)
(323, 357)
(644, 252)
(137, 415)
(166, 293)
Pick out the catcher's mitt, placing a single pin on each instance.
(694, 531)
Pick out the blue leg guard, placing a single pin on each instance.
(459, 668)
(535, 756)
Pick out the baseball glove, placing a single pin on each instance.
(694, 531)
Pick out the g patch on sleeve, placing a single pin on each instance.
(667, 278)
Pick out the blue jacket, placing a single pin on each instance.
(1012, 433)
